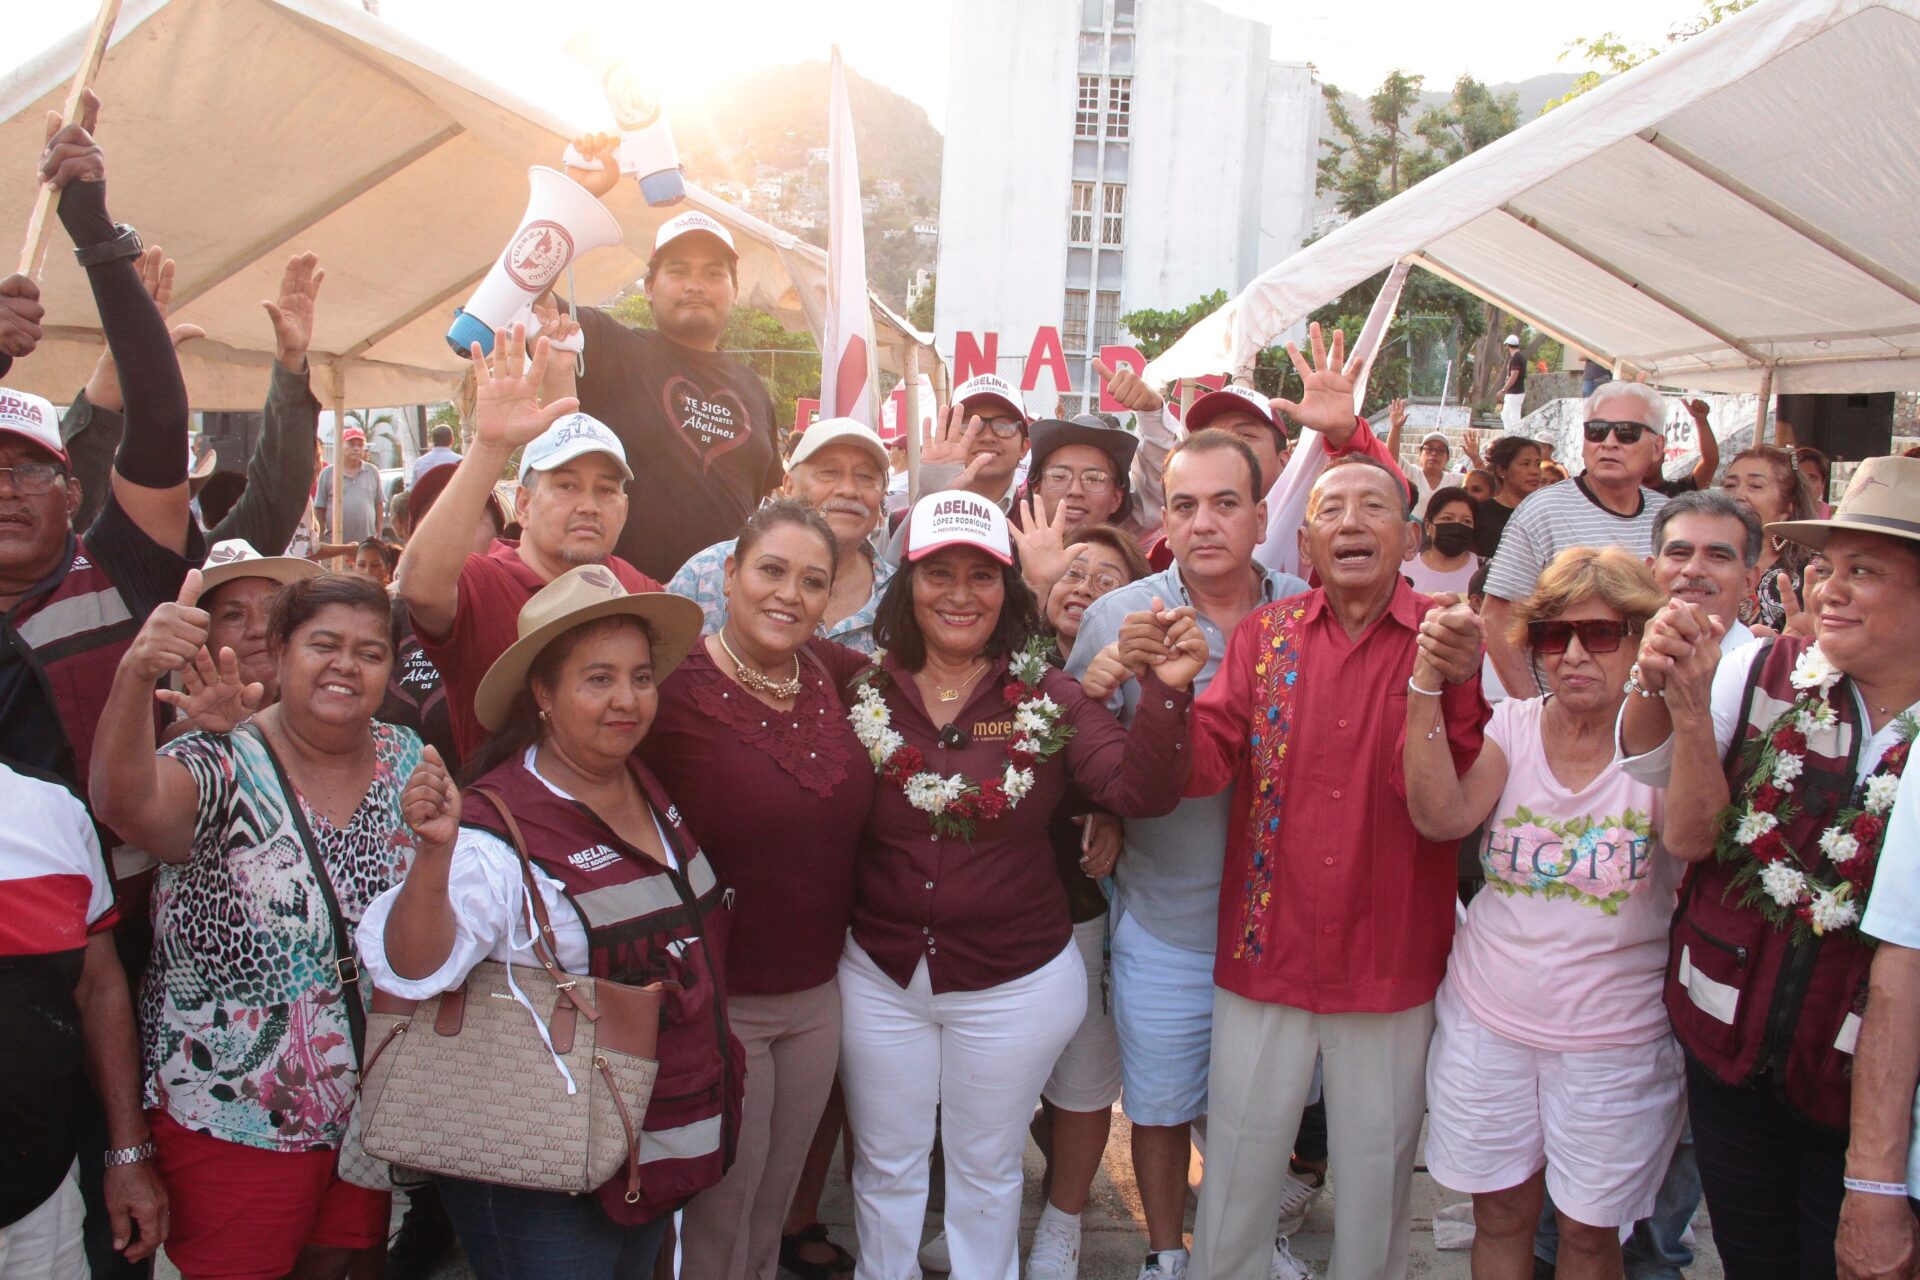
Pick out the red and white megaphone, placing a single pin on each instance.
(562, 221)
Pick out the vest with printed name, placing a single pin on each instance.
(646, 923)
(1748, 1002)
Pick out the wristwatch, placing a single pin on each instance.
(124, 245)
(129, 1155)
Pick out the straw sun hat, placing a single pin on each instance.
(1883, 497)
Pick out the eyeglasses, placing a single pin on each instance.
(31, 479)
(1597, 635)
(1005, 428)
(1092, 480)
(1624, 432)
(1102, 582)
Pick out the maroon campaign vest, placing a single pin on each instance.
(646, 923)
(1749, 1003)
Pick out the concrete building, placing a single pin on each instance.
(1105, 156)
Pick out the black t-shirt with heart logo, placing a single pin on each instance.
(699, 433)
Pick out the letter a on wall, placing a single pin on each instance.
(1046, 353)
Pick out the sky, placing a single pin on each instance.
(1353, 43)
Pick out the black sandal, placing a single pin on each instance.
(842, 1262)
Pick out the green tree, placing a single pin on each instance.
(1364, 163)
(1614, 55)
(920, 314)
(1155, 331)
(789, 363)
(1469, 119)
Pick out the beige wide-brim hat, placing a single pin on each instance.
(236, 558)
(1883, 497)
(577, 597)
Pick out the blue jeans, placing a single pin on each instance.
(512, 1234)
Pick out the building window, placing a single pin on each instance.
(1122, 15)
(1086, 117)
(1080, 221)
(1073, 329)
(1106, 318)
(1093, 14)
(1119, 105)
(1113, 214)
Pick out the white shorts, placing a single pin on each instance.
(1087, 1075)
(1604, 1122)
(1510, 407)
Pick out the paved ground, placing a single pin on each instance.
(1114, 1238)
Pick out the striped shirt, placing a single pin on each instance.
(1558, 517)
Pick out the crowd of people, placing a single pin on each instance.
(1564, 819)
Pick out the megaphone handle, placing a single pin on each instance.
(573, 312)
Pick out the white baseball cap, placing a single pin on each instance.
(1441, 436)
(832, 431)
(32, 418)
(1513, 340)
(956, 518)
(686, 224)
(1230, 398)
(990, 386)
(569, 438)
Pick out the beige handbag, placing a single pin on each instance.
(463, 1084)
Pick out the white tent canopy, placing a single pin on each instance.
(240, 132)
(1746, 201)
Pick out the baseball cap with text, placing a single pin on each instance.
(687, 224)
(993, 387)
(32, 418)
(1230, 399)
(956, 518)
(571, 437)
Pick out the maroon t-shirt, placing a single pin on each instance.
(777, 799)
(486, 622)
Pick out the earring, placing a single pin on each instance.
(545, 714)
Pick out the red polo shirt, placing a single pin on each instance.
(1331, 901)
(486, 621)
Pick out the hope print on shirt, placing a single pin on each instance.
(1591, 861)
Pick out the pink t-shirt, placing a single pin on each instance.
(1566, 947)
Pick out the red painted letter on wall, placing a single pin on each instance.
(971, 359)
(1046, 353)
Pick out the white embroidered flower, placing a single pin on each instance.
(1786, 767)
(1839, 844)
(1831, 910)
(1016, 783)
(1753, 825)
(925, 792)
(1880, 792)
(1783, 882)
(1813, 671)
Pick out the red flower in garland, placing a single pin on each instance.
(1867, 829)
(992, 799)
(1014, 692)
(1768, 797)
(1771, 847)
(901, 765)
(1789, 738)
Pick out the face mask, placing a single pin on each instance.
(1452, 539)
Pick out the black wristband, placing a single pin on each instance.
(124, 245)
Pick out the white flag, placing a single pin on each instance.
(847, 381)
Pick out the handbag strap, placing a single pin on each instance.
(543, 932)
(345, 967)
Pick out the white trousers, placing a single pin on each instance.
(980, 1058)
(1510, 406)
(1261, 1073)
(46, 1245)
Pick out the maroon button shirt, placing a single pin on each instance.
(988, 910)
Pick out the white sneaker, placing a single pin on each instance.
(1296, 1198)
(1285, 1265)
(1055, 1254)
(934, 1257)
(1170, 1264)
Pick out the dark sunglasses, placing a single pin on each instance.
(1597, 635)
(1624, 432)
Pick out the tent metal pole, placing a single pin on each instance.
(1763, 404)
(339, 429)
(1784, 216)
(1640, 287)
(912, 424)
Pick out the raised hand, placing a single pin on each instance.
(1470, 441)
(1044, 555)
(430, 804)
(172, 634)
(1326, 397)
(1397, 413)
(1698, 408)
(1105, 673)
(1450, 641)
(597, 146)
(556, 323)
(292, 315)
(952, 443)
(20, 316)
(71, 154)
(213, 697)
(1143, 638)
(1187, 644)
(1670, 639)
(507, 412)
(1125, 386)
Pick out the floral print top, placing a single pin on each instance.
(244, 1033)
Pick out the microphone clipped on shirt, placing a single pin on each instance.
(954, 738)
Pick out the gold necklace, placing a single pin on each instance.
(758, 683)
(953, 694)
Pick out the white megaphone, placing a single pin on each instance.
(562, 221)
(646, 138)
